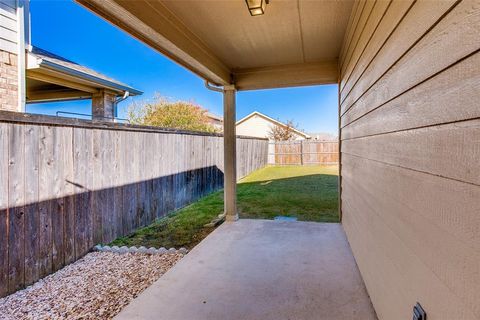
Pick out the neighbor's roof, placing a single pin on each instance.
(256, 113)
(213, 116)
(47, 60)
(323, 136)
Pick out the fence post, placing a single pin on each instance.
(301, 152)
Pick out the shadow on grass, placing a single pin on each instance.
(311, 197)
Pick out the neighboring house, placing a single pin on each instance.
(215, 121)
(257, 124)
(35, 75)
(323, 136)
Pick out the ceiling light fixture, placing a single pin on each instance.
(256, 7)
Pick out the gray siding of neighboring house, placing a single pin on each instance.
(8, 26)
(9, 56)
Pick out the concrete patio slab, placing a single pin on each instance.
(259, 269)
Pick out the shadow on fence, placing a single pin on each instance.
(39, 238)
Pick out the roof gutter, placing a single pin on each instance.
(117, 101)
(213, 88)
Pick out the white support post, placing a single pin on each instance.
(23, 16)
(230, 153)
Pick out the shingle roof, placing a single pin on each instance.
(326, 136)
(213, 116)
(53, 60)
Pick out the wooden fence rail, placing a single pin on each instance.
(66, 185)
(304, 152)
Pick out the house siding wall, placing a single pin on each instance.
(410, 137)
(8, 26)
(9, 50)
(8, 81)
(257, 126)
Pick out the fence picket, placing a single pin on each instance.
(304, 152)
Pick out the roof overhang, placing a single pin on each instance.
(295, 43)
(302, 74)
(61, 83)
(164, 32)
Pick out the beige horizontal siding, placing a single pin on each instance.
(355, 15)
(427, 104)
(419, 19)
(375, 16)
(410, 137)
(358, 30)
(387, 24)
(446, 150)
(424, 59)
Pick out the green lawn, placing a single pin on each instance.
(308, 193)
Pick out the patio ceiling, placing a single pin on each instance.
(294, 43)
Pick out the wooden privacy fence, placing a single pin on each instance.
(67, 184)
(303, 152)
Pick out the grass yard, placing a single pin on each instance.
(308, 193)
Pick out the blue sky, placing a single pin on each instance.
(69, 30)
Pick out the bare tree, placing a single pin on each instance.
(282, 133)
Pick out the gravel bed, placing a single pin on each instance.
(97, 286)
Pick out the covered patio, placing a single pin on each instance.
(408, 75)
(296, 44)
(261, 269)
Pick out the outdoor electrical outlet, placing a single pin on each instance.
(419, 313)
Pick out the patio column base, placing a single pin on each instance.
(231, 217)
